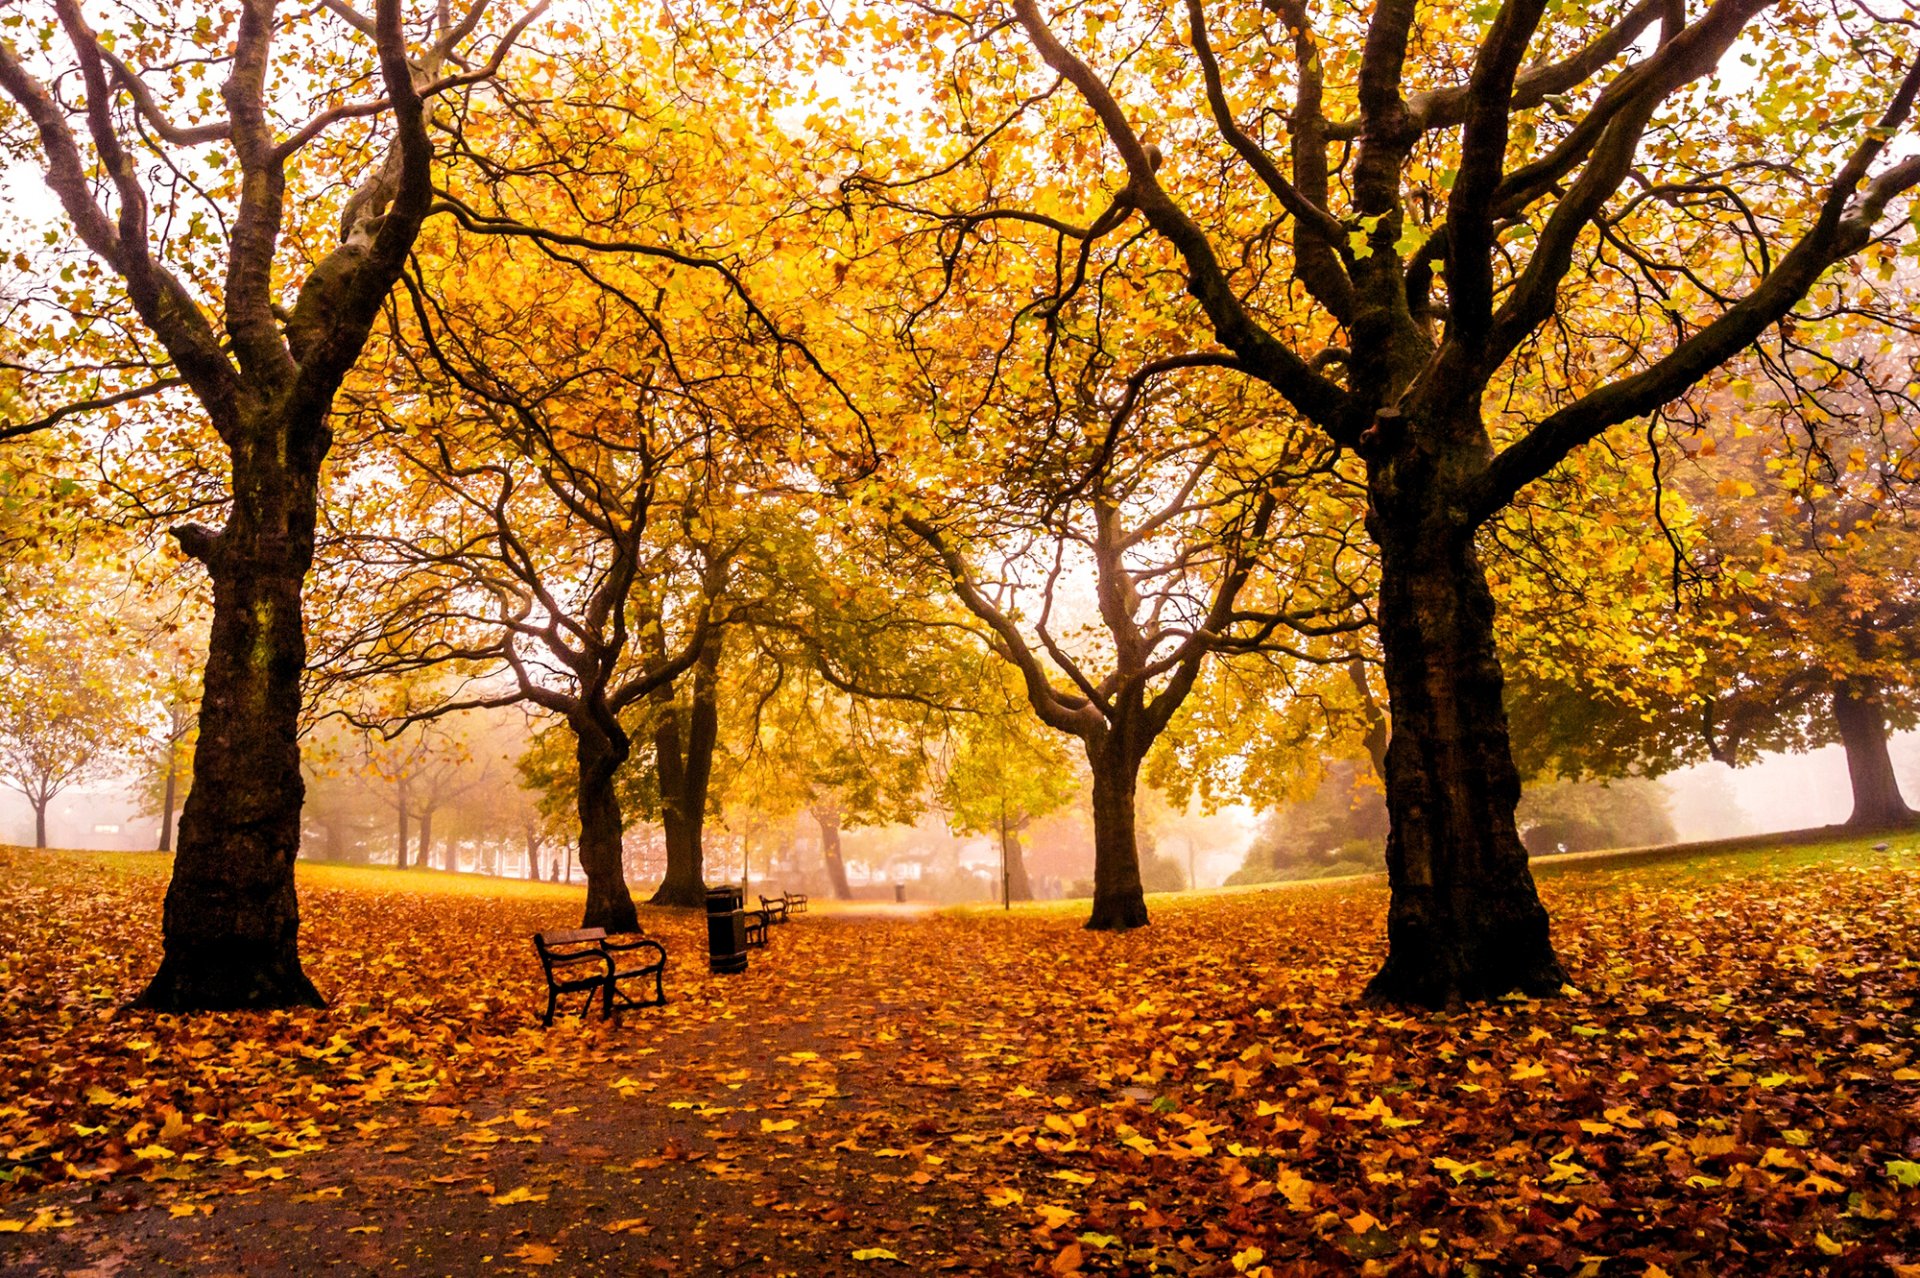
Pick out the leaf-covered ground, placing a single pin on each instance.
(1733, 1088)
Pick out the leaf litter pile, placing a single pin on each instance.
(1733, 1086)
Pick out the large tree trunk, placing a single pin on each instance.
(1465, 921)
(231, 922)
(1877, 802)
(1016, 884)
(602, 831)
(1118, 900)
(167, 798)
(828, 817)
(685, 770)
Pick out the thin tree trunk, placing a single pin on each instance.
(1118, 900)
(1877, 802)
(609, 904)
(400, 806)
(1465, 921)
(533, 855)
(424, 856)
(39, 825)
(231, 922)
(167, 797)
(829, 820)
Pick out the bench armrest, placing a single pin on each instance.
(552, 959)
(639, 943)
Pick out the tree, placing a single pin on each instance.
(1172, 518)
(1004, 776)
(264, 373)
(1811, 537)
(1490, 262)
(66, 716)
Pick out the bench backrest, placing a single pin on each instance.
(573, 936)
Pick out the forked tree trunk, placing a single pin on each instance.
(685, 769)
(231, 921)
(1119, 903)
(829, 822)
(1465, 921)
(1018, 886)
(602, 831)
(1877, 802)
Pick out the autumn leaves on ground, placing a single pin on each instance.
(1732, 1087)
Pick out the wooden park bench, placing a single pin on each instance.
(587, 961)
(756, 921)
(778, 908)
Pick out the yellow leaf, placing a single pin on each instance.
(518, 1194)
(875, 1253)
(534, 1253)
(780, 1125)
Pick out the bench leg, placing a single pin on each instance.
(553, 999)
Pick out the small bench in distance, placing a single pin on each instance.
(587, 961)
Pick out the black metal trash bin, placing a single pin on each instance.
(726, 929)
(900, 893)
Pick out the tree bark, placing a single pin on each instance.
(1877, 802)
(231, 920)
(167, 798)
(1465, 921)
(599, 754)
(423, 858)
(39, 825)
(1119, 903)
(685, 771)
(1018, 886)
(828, 818)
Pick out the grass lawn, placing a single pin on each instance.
(1730, 1085)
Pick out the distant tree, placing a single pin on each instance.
(1587, 816)
(66, 716)
(1337, 827)
(1003, 776)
